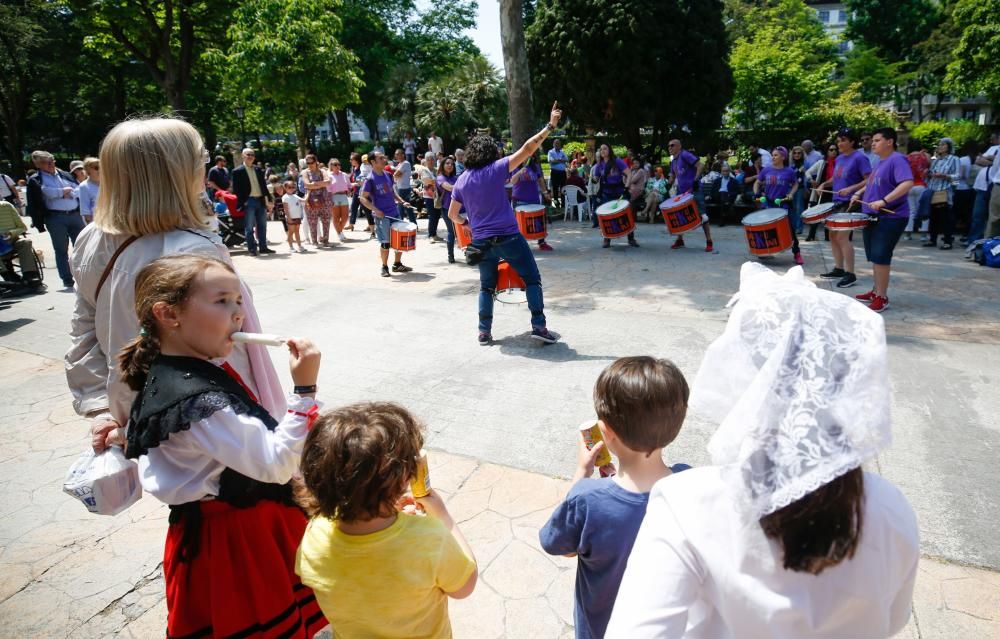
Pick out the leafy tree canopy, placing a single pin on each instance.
(974, 68)
(612, 64)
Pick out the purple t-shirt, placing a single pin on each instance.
(613, 180)
(885, 177)
(445, 194)
(379, 185)
(482, 193)
(683, 168)
(777, 183)
(526, 188)
(848, 171)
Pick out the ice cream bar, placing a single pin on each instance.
(258, 338)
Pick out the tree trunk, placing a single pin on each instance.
(302, 133)
(516, 71)
(343, 127)
(331, 123)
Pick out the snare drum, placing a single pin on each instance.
(510, 287)
(531, 221)
(768, 231)
(616, 218)
(818, 213)
(403, 236)
(680, 214)
(463, 232)
(847, 221)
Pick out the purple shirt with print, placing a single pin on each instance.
(445, 194)
(380, 187)
(848, 171)
(614, 177)
(886, 176)
(526, 188)
(777, 183)
(482, 193)
(684, 167)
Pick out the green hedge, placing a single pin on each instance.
(960, 131)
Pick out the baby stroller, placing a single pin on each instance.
(231, 224)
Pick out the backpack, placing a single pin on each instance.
(988, 253)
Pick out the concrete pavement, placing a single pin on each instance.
(508, 411)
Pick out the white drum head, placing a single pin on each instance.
(765, 216)
(612, 208)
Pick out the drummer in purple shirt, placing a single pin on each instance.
(495, 234)
(529, 188)
(685, 172)
(779, 183)
(886, 195)
(611, 173)
(849, 174)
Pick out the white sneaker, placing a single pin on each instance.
(342, 238)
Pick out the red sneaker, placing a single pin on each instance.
(709, 248)
(879, 303)
(866, 297)
(798, 259)
(678, 243)
(545, 247)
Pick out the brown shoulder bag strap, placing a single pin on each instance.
(111, 264)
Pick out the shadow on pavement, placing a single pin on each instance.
(523, 346)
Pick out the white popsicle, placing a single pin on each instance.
(258, 338)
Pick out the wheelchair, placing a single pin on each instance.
(14, 281)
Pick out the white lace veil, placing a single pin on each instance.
(799, 384)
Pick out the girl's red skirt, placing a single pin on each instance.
(242, 582)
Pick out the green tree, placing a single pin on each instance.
(166, 37)
(874, 76)
(892, 27)
(24, 39)
(612, 65)
(782, 65)
(974, 68)
(472, 96)
(287, 52)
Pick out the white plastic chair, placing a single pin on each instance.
(573, 196)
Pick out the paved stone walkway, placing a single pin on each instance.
(500, 419)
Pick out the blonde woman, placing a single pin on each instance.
(150, 204)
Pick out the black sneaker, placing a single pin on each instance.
(633, 243)
(385, 271)
(835, 274)
(266, 251)
(399, 267)
(544, 335)
(847, 281)
(485, 339)
(945, 247)
(606, 244)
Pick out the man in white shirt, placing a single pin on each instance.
(402, 178)
(54, 205)
(982, 188)
(435, 144)
(757, 151)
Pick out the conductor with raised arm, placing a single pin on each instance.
(495, 234)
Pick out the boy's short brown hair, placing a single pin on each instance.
(643, 399)
(357, 460)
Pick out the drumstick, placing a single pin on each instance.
(258, 338)
(886, 209)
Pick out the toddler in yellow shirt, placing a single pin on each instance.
(377, 571)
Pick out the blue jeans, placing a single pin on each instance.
(433, 216)
(798, 205)
(255, 218)
(63, 229)
(514, 249)
(980, 210)
(403, 212)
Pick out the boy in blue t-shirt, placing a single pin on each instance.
(640, 404)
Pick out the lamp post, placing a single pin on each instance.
(240, 113)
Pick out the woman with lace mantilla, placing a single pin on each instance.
(210, 451)
(784, 536)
